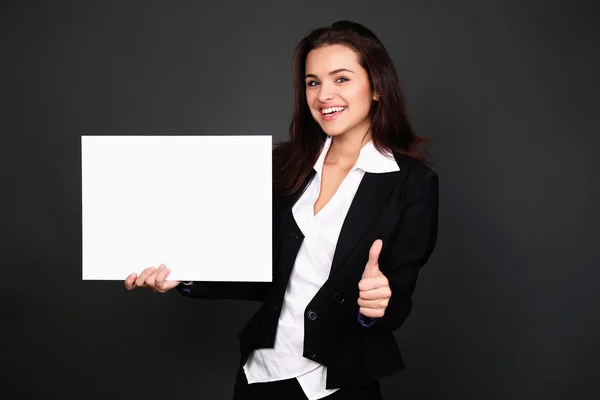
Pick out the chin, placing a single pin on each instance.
(333, 131)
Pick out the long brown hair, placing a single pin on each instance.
(390, 126)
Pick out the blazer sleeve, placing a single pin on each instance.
(410, 249)
(252, 291)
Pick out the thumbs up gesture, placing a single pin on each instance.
(374, 288)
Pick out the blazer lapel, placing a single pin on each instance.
(282, 205)
(369, 198)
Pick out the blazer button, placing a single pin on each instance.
(310, 354)
(339, 297)
(312, 315)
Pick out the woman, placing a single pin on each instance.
(354, 219)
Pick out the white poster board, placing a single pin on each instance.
(201, 205)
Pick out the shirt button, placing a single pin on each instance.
(312, 315)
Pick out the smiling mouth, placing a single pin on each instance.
(332, 111)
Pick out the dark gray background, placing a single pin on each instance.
(508, 307)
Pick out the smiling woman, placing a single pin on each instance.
(344, 71)
(355, 211)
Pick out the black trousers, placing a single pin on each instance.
(290, 389)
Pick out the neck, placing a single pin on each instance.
(346, 147)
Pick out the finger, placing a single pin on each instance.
(171, 284)
(168, 285)
(379, 293)
(151, 280)
(373, 283)
(130, 281)
(372, 266)
(374, 253)
(141, 280)
(373, 304)
(161, 276)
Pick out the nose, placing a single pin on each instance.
(326, 93)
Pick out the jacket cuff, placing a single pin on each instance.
(185, 287)
(366, 321)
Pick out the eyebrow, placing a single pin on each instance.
(335, 71)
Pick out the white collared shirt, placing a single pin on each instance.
(311, 270)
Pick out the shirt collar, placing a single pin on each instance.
(369, 159)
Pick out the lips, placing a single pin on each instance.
(331, 113)
(332, 110)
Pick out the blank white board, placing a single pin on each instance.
(202, 205)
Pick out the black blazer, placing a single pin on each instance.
(401, 208)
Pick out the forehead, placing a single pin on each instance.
(325, 59)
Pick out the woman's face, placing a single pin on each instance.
(338, 92)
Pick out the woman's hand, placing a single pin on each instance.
(374, 287)
(152, 277)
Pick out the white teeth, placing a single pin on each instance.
(332, 110)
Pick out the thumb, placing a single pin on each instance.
(372, 267)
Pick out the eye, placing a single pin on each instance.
(342, 79)
(312, 83)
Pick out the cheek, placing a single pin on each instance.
(362, 99)
(310, 102)
(310, 98)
